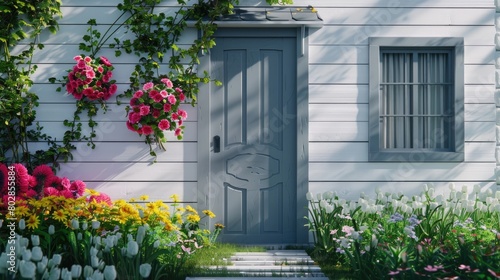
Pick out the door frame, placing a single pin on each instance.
(302, 121)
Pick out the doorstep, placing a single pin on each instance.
(269, 265)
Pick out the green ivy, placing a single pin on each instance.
(156, 35)
(22, 22)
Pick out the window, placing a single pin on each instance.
(416, 99)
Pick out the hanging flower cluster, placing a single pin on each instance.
(155, 109)
(41, 183)
(91, 78)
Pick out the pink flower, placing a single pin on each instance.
(333, 231)
(77, 58)
(22, 177)
(464, 267)
(113, 88)
(182, 97)
(163, 93)
(90, 74)
(167, 82)
(147, 86)
(102, 197)
(164, 125)
(66, 193)
(54, 182)
(50, 191)
(432, 268)
(178, 132)
(167, 107)
(156, 113)
(131, 127)
(138, 94)
(100, 69)
(81, 64)
(42, 173)
(78, 187)
(347, 230)
(88, 59)
(495, 274)
(105, 61)
(183, 114)
(65, 183)
(393, 272)
(147, 130)
(171, 99)
(144, 110)
(134, 117)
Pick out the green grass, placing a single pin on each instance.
(218, 254)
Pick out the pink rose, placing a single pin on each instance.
(167, 107)
(167, 82)
(147, 130)
(171, 99)
(144, 110)
(164, 125)
(147, 86)
(138, 94)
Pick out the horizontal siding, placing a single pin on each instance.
(401, 171)
(338, 97)
(338, 92)
(358, 152)
(358, 131)
(118, 132)
(359, 112)
(131, 171)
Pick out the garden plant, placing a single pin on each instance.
(394, 236)
(62, 230)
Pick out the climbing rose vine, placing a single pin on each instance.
(155, 109)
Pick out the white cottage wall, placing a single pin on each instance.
(338, 102)
(338, 94)
(120, 165)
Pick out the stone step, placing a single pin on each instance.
(272, 263)
(256, 278)
(238, 262)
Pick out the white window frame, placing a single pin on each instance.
(377, 152)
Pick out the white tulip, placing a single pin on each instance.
(75, 224)
(22, 224)
(55, 273)
(309, 196)
(109, 272)
(76, 271)
(27, 269)
(141, 232)
(132, 248)
(87, 271)
(35, 240)
(464, 188)
(52, 229)
(41, 267)
(96, 224)
(477, 188)
(145, 270)
(36, 254)
(97, 275)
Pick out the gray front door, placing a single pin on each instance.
(253, 139)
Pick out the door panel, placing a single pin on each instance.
(254, 114)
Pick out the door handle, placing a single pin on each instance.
(216, 144)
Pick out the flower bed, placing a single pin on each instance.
(398, 237)
(58, 229)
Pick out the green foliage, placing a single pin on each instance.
(22, 22)
(394, 236)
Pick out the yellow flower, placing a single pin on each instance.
(181, 209)
(209, 213)
(22, 211)
(219, 226)
(92, 192)
(191, 209)
(33, 222)
(144, 197)
(59, 215)
(193, 218)
(175, 198)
